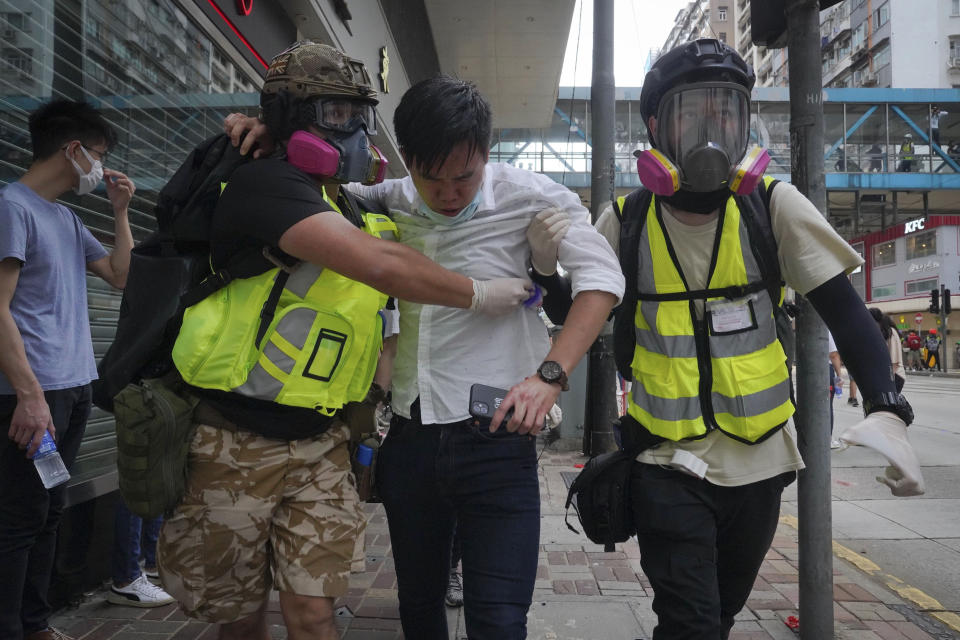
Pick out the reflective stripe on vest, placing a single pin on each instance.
(749, 393)
(319, 351)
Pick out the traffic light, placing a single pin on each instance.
(946, 302)
(768, 21)
(934, 301)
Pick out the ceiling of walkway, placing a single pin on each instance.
(512, 49)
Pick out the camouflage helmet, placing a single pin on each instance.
(309, 69)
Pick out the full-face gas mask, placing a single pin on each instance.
(702, 132)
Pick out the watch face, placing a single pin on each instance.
(551, 370)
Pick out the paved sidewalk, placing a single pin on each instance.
(581, 593)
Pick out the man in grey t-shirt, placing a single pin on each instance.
(46, 353)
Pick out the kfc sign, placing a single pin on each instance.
(913, 225)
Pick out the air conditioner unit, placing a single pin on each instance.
(868, 78)
(953, 63)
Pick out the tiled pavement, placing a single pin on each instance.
(581, 593)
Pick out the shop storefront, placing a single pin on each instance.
(904, 264)
(165, 73)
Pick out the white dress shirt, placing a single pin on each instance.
(443, 350)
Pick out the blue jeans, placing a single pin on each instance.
(128, 531)
(436, 477)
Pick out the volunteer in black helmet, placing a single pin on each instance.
(277, 353)
(704, 247)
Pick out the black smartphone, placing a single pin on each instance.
(484, 401)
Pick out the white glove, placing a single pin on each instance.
(500, 295)
(886, 433)
(544, 234)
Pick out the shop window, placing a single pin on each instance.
(884, 254)
(883, 291)
(921, 286)
(920, 245)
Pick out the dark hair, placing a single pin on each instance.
(61, 121)
(284, 113)
(884, 322)
(436, 115)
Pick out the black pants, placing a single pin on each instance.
(701, 547)
(29, 514)
(433, 478)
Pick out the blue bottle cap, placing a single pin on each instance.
(364, 455)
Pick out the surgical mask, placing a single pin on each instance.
(462, 216)
(344, 158)
(89, 180)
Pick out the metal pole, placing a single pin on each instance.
(944, 343)
(812, 419)
(601, 388)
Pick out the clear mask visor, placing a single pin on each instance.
(699, 115)
(345, 115)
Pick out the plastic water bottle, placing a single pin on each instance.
(838, 390)
(49, 463)
(363, 461)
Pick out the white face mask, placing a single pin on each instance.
(90, 180)
(462, 216)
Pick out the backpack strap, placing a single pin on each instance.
(755, 212)
(632, 218)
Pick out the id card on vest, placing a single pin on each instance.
(731, 316)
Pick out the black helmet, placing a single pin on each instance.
(701, 60)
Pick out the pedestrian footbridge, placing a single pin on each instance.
(872, 179)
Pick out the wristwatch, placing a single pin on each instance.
(893, 402)
(551, 371)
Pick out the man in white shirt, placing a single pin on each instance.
(438, 466)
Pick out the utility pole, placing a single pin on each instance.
(943, 358)
(602, 377)
(813, 427)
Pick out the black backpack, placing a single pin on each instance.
(168, 265)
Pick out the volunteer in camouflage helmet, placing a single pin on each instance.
(270, 501)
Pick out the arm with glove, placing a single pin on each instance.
(887, 413)
(544, 234)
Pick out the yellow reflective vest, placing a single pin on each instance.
(725, 370)
(319, 350)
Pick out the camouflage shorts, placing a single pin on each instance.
(258, 514)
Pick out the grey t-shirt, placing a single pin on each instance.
(50, 302)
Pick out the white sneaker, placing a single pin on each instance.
(836, 444)
(139, 593)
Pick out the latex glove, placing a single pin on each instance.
(886, 433)
(500, 295)
(544, 234)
